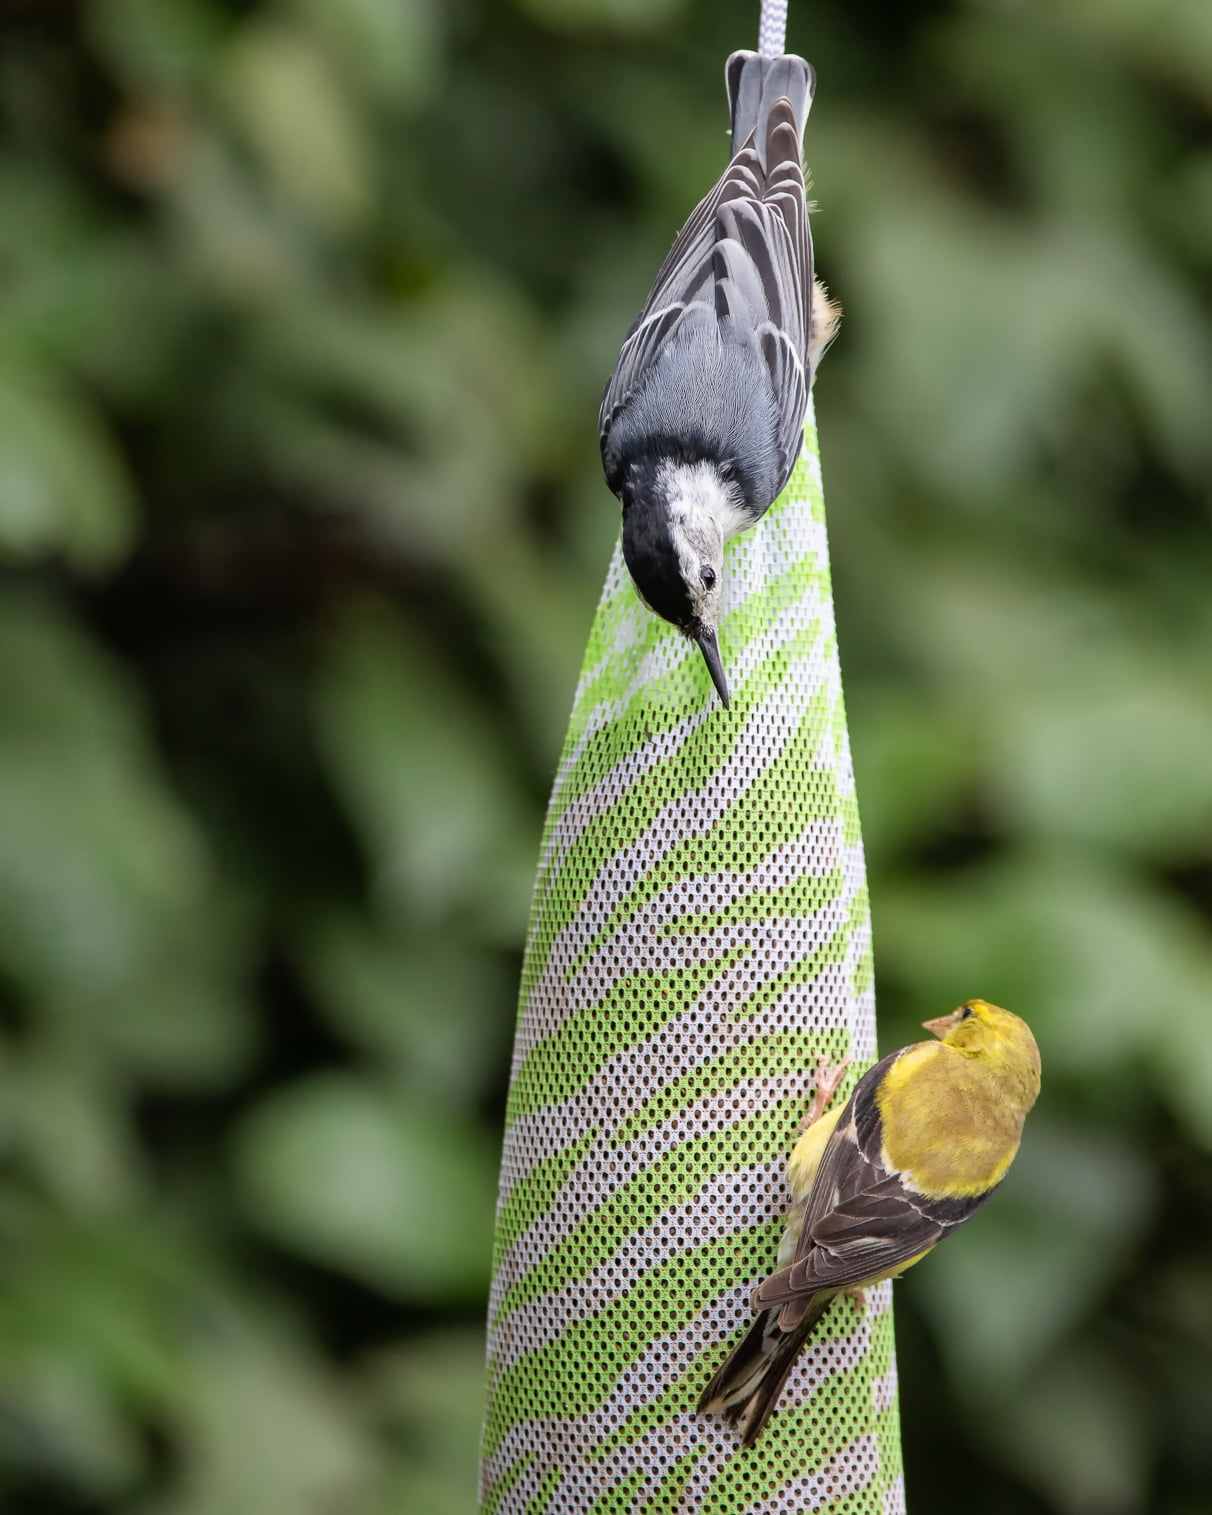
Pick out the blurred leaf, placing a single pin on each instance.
(62, 485)
(58, 1421)
(73, 288)
(1181, 1061)
(226, 234)
(988, 630)
(84, 820)
(399, 1195)
(390, 46)
(1081, 1436)
(103, 880)
(430, 1395)
(289, 103)
(445, 828)
(913, 760)
(68, 1122)
(539, 654)
(1116, 758)
(1185, 203)
(1180, 50)
(430, 1008)
(621, 15)
(269, 1432)
(93, 1302)
(157, 44)
(416, 422)
(1092, 959)
(1089, 135)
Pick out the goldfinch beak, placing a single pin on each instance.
(941, 1024)
(710, 648)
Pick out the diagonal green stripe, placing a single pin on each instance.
(672, 1180)
(533, 1194)
(540, 1503)
(590, 1038)
(778, 1055)
(507, 1483)
(833, 950)
(663, 1300)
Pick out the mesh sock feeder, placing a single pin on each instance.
(699, 935)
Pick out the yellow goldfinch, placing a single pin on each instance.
(921, 1144)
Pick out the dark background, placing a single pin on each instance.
(305, 308)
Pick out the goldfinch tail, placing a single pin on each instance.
(746, 1388)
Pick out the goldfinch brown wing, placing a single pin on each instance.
(864, 1221)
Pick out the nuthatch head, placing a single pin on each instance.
(673, 544)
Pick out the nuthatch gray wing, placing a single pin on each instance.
(702, 420)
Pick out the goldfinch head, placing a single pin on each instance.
(982, 1030)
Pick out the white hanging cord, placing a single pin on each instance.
(772, 37)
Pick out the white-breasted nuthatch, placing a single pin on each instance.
(703, 417)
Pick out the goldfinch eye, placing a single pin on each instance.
(968, 1013)
(707, 574)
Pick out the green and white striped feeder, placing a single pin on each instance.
(699, 936)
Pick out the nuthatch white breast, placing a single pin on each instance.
(702, 420)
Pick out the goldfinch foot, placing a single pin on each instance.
(828, 1078)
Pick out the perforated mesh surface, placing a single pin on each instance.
(699, 934)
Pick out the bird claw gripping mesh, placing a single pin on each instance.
(699, 936)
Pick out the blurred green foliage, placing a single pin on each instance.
(306, 309)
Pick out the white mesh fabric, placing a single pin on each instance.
(699, 935)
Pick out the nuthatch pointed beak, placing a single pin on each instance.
(710, 649)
